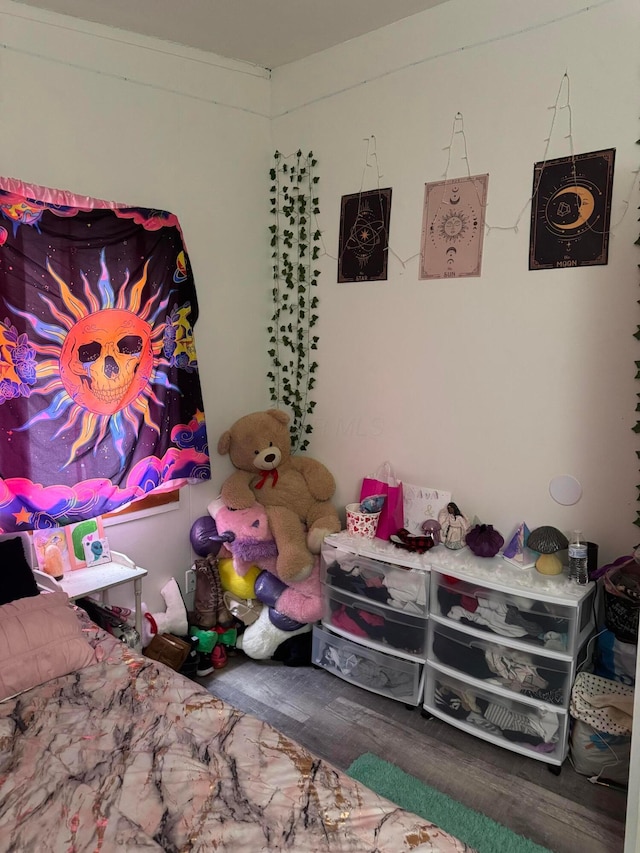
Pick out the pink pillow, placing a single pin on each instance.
(40, 639)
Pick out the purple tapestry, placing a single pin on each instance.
(100, 398)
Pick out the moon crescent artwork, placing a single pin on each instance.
(453, 228)
(571, 211)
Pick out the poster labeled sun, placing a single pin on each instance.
(453, 227)
(571, 211)
(363, 249)
(100, 397)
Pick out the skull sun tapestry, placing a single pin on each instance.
(100, 397)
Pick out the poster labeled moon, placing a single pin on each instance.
(453, 227)
(571, 211)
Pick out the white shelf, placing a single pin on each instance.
(94, 580)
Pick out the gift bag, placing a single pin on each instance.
(384, 482)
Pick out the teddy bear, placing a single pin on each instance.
(295, 491)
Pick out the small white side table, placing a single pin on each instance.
(99, 579)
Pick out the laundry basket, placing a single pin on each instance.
(600, 744)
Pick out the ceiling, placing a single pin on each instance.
(264, 32)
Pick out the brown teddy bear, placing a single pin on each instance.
(295, 491)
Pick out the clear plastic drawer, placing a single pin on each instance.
(527, 728)
(553, 625)
(371, 623)
(383, 583)
(524, 673)
(381, 673)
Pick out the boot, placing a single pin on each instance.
(208, 595)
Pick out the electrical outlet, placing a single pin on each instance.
(190, 581)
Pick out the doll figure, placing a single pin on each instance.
(453, 526)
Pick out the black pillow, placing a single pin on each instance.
(16, 577)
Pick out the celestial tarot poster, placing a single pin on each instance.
(571, 211)
(364, 236)
(453, 227)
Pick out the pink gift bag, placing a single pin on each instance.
(384, 482)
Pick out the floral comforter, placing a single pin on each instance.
(128, 755)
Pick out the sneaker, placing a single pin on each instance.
(219, 656)
(205, 664)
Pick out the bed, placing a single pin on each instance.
(122, 753)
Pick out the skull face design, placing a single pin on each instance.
(106, 360)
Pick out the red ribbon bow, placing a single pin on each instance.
(265, 475)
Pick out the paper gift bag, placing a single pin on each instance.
(421, 504)
(384, 482)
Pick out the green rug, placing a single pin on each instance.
(477, 830)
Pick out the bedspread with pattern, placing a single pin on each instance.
(128, 755)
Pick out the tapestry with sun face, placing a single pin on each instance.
(100, 397)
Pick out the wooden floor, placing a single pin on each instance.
(338, 722)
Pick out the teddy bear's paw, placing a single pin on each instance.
(316, 536)
(293, 567)
(320, 529)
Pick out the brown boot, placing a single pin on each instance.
(208, 595)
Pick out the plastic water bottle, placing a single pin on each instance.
(578, 571)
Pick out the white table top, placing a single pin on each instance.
(81, 582)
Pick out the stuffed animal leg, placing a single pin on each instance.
(262, 638)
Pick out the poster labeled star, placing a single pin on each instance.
(571, 211)
(363, 248)
(453, 227)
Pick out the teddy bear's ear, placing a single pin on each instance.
(224, 443)
(278, 415)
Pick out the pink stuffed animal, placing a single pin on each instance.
(289, 607)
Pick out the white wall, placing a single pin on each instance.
(186, 132)
(489, 386)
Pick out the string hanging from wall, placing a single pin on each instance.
(561, 105)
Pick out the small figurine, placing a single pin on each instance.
(453, 526)
(431, 527)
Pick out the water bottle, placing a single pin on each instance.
(578, 571)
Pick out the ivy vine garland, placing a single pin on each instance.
(295, 248)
